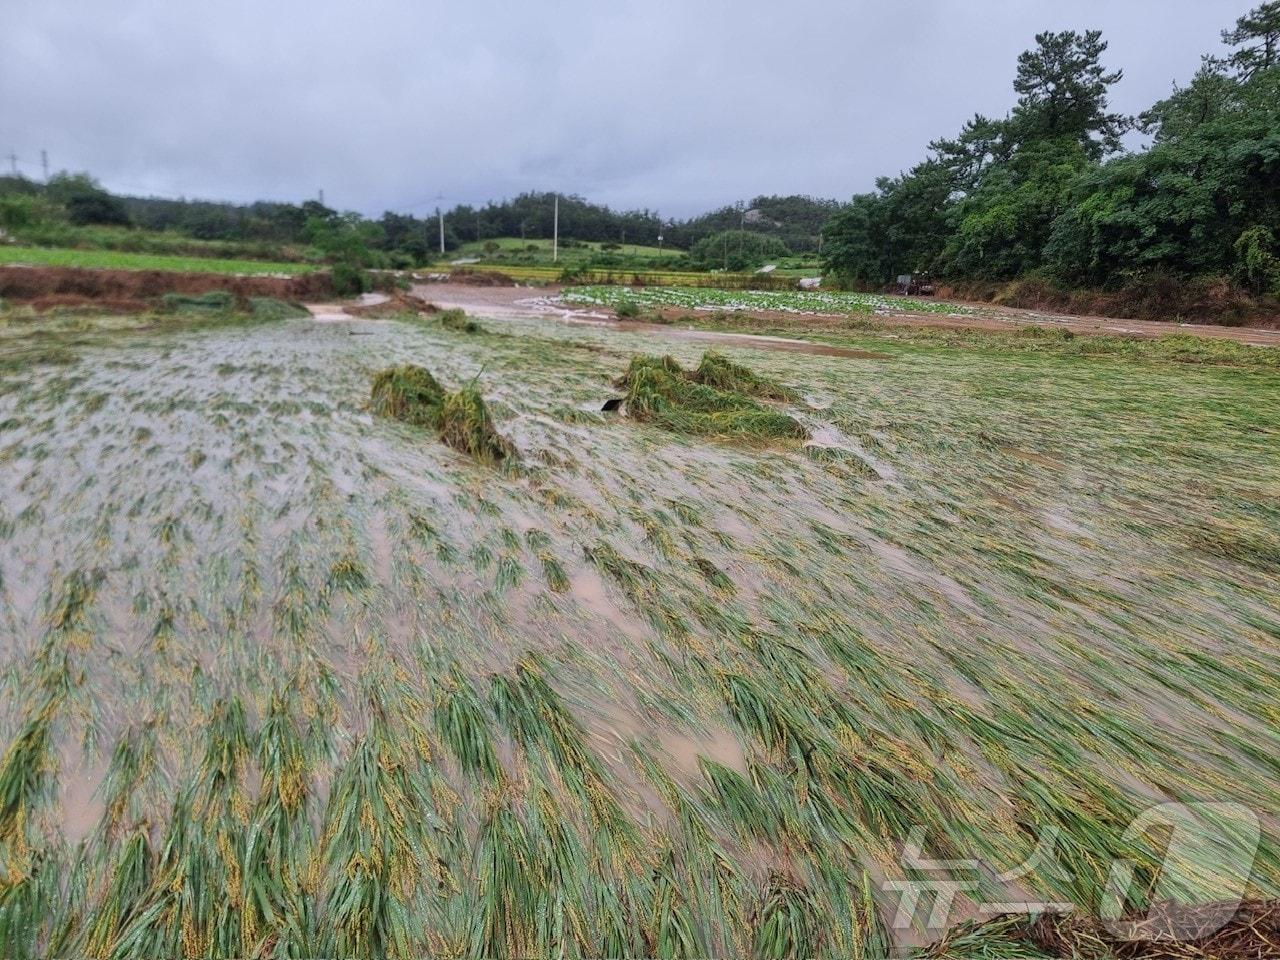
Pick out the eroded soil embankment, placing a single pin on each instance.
(39, 283)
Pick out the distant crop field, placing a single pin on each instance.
(115, 260)
(785, 301)
(634, 275)
(515, 250)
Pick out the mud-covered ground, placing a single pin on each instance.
(891, 311)
(278, 674)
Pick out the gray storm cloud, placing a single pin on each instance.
(674, 106)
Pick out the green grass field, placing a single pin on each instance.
(117, 260)
(281, 677)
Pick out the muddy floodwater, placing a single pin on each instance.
(277, 670)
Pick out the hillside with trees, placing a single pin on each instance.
(795, 221)
(1048, 193)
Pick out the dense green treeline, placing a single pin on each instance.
(1049, 190)
(55, 214)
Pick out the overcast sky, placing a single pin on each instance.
(675, 105)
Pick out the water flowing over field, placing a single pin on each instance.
(283, 677)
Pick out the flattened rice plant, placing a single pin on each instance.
(659, 391)
(465, 425)
(410, 393)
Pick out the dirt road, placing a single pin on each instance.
(498, 302)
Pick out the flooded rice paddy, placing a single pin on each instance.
(283, 678)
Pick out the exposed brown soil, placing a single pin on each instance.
(480, 278)
(1170, 932)
(36, 283)
(395, 302)
(1161, 299)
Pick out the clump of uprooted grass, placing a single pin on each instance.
(270, 309)
(410, 393)
(717, 370)
(465, 425)
(213, 301)
(660, 391)
(458, 321)
(221, 307)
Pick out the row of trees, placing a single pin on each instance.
(795, 222)
(1049, 190)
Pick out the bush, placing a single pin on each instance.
(1258, 267)
(627, 309)
(22, 212)
(349, 280)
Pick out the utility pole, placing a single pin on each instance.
(440, 217)
(742, 226)
(322, 196)
(13, 162)
(555, 232)
(44, 162)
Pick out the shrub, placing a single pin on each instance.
(349, 280)
(1257, 264)
(22, 212)
(627, 309)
